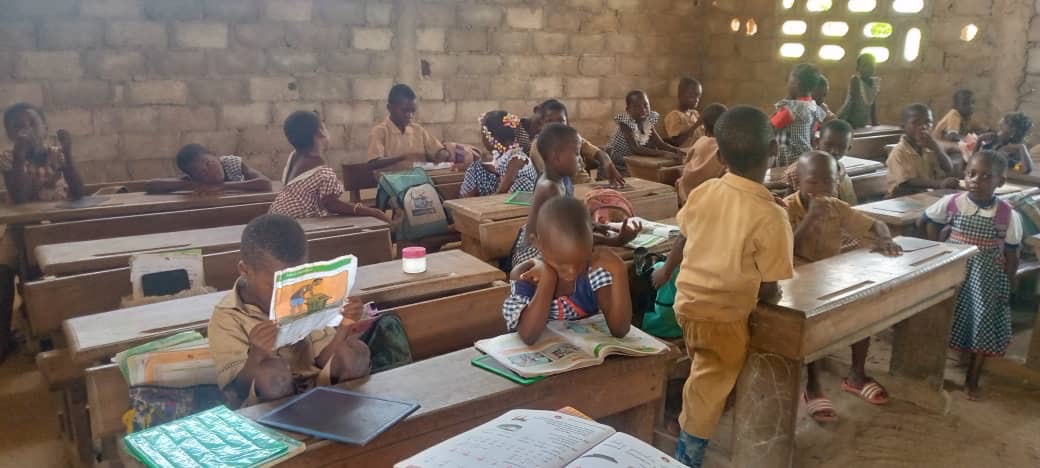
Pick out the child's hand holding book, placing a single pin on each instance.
(261, 337)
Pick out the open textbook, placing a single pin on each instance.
(541, 439)
(566, 346)
(309, 297)
(652, 234)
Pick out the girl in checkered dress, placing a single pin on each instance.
(571, 281)
(982, 319)
(510, 170)
(636, 133)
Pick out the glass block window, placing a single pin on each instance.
(834, 30)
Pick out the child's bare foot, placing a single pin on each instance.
(973, 393)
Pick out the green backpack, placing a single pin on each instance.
(660, 320)
(418, 209)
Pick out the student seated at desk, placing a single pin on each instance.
(560, 143)
(684, 125)
(819, 221)
(918, 162)
(33, 171)
(835, 139)
(509, 170)
(959, 121)
(636, 133)
(204, 172)
(736, 244)
(553, 111)
(397, 142)
(1009, 141)
(573, 280)
(702, 161)
(241, 337)
(982, 318)
(311, 188)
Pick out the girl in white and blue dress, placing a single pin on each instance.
(982, 319)
(510, 170)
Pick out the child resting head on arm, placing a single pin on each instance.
(241, 337)
(572, 280)
(918, 162)
(205, 172)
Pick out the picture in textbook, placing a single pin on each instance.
(309, 297)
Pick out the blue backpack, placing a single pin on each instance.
(417, 205)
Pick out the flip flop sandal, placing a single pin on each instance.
(872, 392)
(818, 408)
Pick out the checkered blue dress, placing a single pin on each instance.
(796, 138)
(486, 182)
(982, 319)
(576, 306)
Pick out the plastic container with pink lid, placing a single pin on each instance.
(413, 259)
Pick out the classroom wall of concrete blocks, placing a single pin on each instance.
(133, 80)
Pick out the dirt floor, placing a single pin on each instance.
(1003, 430)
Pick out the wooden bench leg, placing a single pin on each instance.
(919, 353)
(1033, 356)
(765, 411)
(638, 422)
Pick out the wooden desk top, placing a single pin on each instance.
(455, 396)
(859, 166)
(876, 131)
(1033, 178)
(122, 204)
(494, 207)
(652, 161)
(115, 252)
(906, 210)
(833, 298)
(98, 336)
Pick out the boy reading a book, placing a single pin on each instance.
(571, 281)
(241, 336)
(749, 244)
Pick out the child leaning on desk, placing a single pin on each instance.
(242, 337)
(819, 220)
(572, 280)
(982, 319)
(205, 172)
(33, 171)
(735, 245)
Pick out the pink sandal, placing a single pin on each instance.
(872, 392)
(818, 407)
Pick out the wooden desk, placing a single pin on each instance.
(94, 255)
(49, 301)
(873, 146)
(135, 225)
(870, 186)
(901, 214)
(660, 170)
(489, 225)
(123, 204)
(95, 337)
(829, 305)
(878, 130)
(858, 166)
(1033, 178)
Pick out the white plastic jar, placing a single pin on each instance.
(413, 259)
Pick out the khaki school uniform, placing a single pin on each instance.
(386, 140)
(953, 121)
(905, 163)
(737, 237)
(846, 190)
(702, 163)
(677, 122)
(824, 239)
(587, 151)
(229, 344)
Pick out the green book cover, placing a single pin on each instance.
(521, 198)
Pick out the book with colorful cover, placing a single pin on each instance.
(548, 439)
(568, 345)
(180, 360)
(309, 297)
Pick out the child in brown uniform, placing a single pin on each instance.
(818, 220)
(918, 162)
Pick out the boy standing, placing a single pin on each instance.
(683, 126)
(918, 162)
(241, 337)
(396, 143)
(737, 220)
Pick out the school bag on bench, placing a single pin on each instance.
(417, 205)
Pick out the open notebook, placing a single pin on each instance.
(538, 438)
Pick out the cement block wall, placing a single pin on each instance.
(133, 80)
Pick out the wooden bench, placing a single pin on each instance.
(489, 226)
(119, 186)
(100, 254)
(829, 305)
(660, 170)
(51, 300)
(152, 223)
(361, 184)
(93, 338)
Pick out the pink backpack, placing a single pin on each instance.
(1002, 220)
(602, 203)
